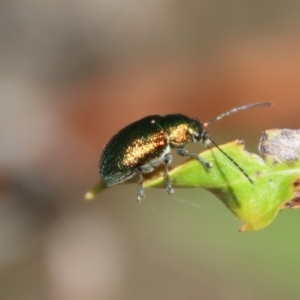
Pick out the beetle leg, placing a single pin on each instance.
(141, 192)
(184, 152)
(168, 159)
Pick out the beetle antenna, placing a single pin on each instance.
(234, 110)
(232, 160)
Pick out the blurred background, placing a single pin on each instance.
(72, 73)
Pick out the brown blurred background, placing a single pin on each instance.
(72, 73)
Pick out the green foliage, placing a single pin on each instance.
(275, 176)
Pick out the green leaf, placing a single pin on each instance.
(276, 177)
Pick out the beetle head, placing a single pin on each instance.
(198, 132)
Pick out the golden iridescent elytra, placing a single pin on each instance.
(143, 145)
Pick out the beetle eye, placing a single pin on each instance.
(196, 136)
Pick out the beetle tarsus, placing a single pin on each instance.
(141, 194)
(169, 189)
(205, 164)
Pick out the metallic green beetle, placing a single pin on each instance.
(143, 145)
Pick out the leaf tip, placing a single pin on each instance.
(89, 196)
(92, 193)
(246, 227)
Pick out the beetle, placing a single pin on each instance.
(143, 145)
